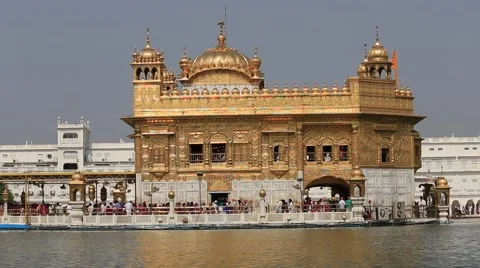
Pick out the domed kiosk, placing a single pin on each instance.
(442, 191)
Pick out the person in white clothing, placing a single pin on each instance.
(423, 205)
(341, 204)
(129, 207)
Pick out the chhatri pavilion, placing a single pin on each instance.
(215, 131)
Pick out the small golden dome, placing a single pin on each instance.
(262, 193)
(361, 70)
(171, 194)
(325, 88)
(315, 88)
(275, 88)
(357, 174)
(305, 88)
(147, 54)
(378, 52)
(256, 61)
(184, 60)
(335, 87)
(77, 177)
(441, 182)
(295, 90)
(286, 90)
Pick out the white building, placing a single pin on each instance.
(73, 150)
(458, 159)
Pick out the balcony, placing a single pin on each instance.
(196, 158)
(219, 157)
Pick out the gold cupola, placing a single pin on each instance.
(376, 64)
(147, 54)
(378, 53)
(221, 57)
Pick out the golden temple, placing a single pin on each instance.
(216, 129)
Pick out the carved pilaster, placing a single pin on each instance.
(300, 148)
(354, 149)
(206, 153)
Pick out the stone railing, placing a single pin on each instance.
(178, 219)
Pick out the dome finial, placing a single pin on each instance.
(184, 51)
(221, 37)
(148, 38)
(255, 51)
(377, 39)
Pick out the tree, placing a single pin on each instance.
(10, 195)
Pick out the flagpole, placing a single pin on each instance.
(396, 67)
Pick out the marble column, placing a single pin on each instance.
(171, 212)
(263, 216)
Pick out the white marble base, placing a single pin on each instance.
(357, 208)
(77, 212)
(188, 191)
(386, 186)
(443, 214)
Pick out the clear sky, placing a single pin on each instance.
(71, 58)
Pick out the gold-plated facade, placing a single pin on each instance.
(224, 121)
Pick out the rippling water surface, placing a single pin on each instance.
(453, 245)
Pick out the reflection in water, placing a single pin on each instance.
(411, 246)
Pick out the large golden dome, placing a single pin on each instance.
(221, 57)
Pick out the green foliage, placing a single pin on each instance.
(10, 195)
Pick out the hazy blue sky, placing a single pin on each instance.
(71, 58)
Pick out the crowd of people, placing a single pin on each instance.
(333, 204)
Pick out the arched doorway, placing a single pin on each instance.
(470, 207)
(337, 185)
(456, 210)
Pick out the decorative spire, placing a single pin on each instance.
(184, 51)
(365, 51)
(377, 39)
(148, 38)
(255, 50)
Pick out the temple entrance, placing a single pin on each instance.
(328, 187)
(220, 197)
